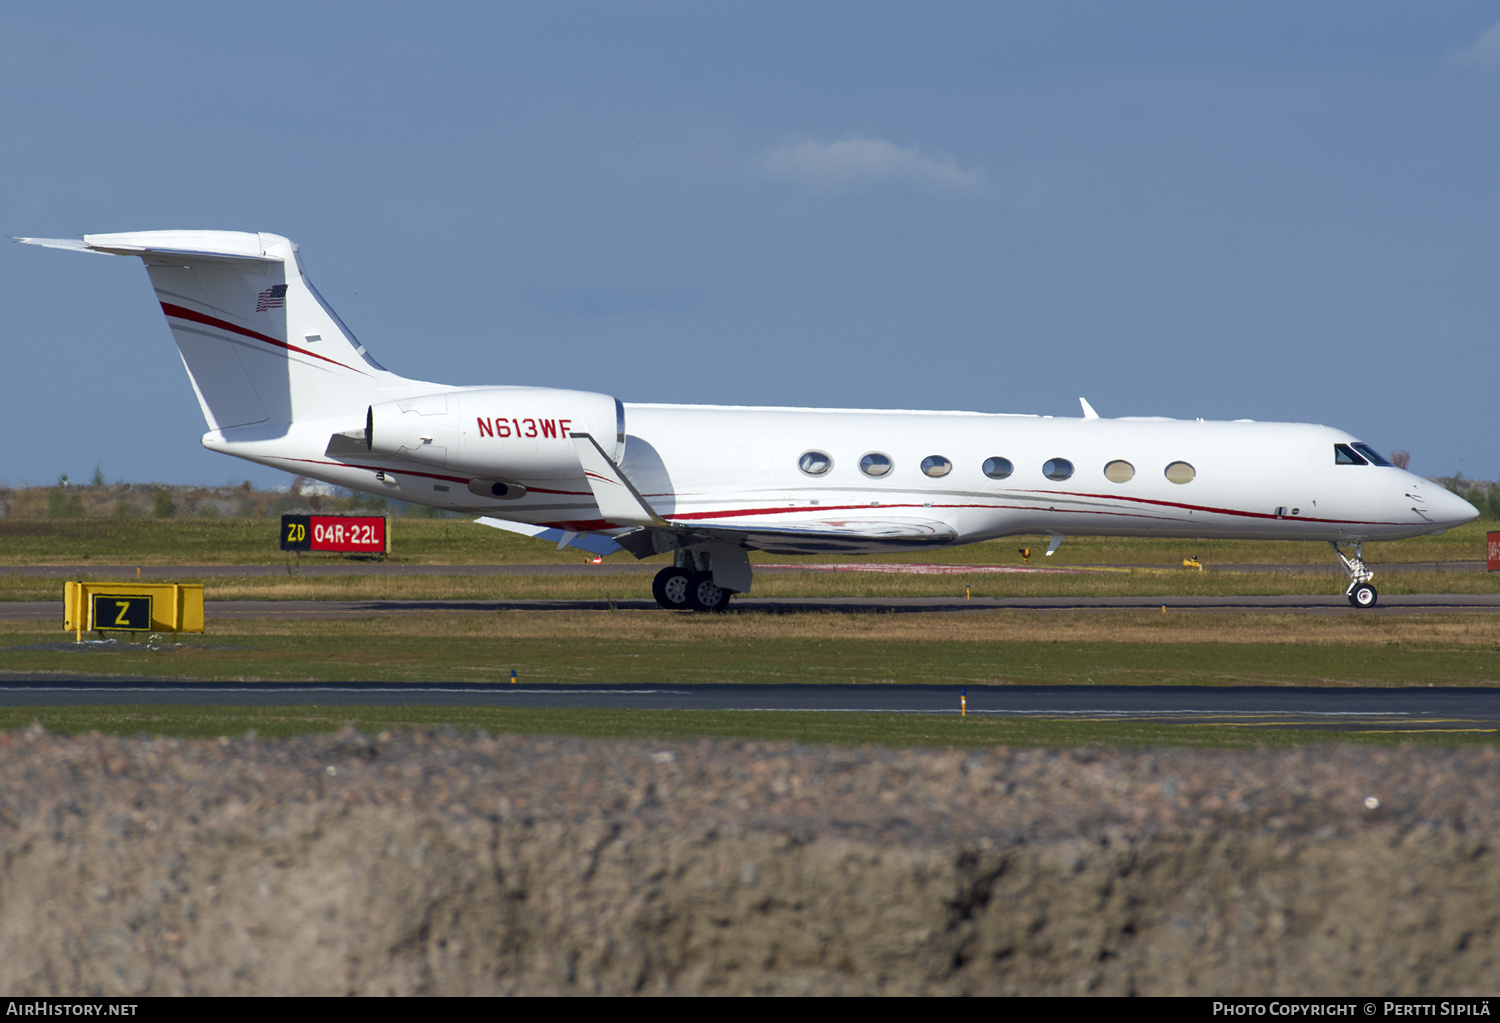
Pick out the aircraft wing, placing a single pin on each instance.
(590, 542)
(829, 535)
(618, 499)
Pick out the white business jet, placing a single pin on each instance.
(284, 383)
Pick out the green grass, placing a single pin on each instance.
(335, 651)
(460, 541)
(901, 730)
(1155, 583)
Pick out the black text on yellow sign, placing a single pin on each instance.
(127, 613)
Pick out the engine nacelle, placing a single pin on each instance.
(504, 432)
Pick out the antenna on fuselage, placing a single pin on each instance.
(1088, 410)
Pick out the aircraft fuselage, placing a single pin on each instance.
(744, 465)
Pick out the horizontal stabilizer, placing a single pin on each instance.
(73, 244)
(217, 245)
(594, 544)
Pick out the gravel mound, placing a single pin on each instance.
(429, 863)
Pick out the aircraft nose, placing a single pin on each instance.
(1449, 509)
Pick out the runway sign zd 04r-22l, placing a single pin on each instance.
(350, 534)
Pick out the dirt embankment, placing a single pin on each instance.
(474, 865)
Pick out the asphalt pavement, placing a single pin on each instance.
(1355, 709)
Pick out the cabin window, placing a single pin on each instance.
(936, 465)
(1375, 457)
(1119, 471)
(1181, 472)
(1057, 469)
(815, 463)
(998, 468)
(1343, 454)
(875, 464)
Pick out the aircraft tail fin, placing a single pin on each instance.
(259, 343)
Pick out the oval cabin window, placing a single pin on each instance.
(1119, 471)
(875, 464)
(936, 465)
(998, 468)
(1057, 469)
(815, 463)
(1181, 472)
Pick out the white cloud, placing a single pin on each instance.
(1483, 52)
(838, 166)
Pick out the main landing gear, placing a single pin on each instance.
(705, 571)
(1360, 592)
(687, 587)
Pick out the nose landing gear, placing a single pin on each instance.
(1360, 592)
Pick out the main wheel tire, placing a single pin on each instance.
(1363, 595)
(671, 588)
(706, 595)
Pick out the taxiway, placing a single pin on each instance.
(1348, 709)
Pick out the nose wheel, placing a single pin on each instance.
(1360, 592)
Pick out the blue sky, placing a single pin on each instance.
(1275, 211)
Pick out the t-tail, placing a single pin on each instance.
(262, 348)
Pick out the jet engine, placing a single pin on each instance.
(504, 432)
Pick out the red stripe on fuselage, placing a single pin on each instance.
(181, 313)
(1215, 511)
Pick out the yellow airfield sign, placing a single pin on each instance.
(132, 607)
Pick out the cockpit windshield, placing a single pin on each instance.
(1375, 457)
(1358, 453)
(1343, 454)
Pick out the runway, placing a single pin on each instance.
(1401, 604)
(1345, 709)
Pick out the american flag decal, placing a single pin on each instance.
(273, 297)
